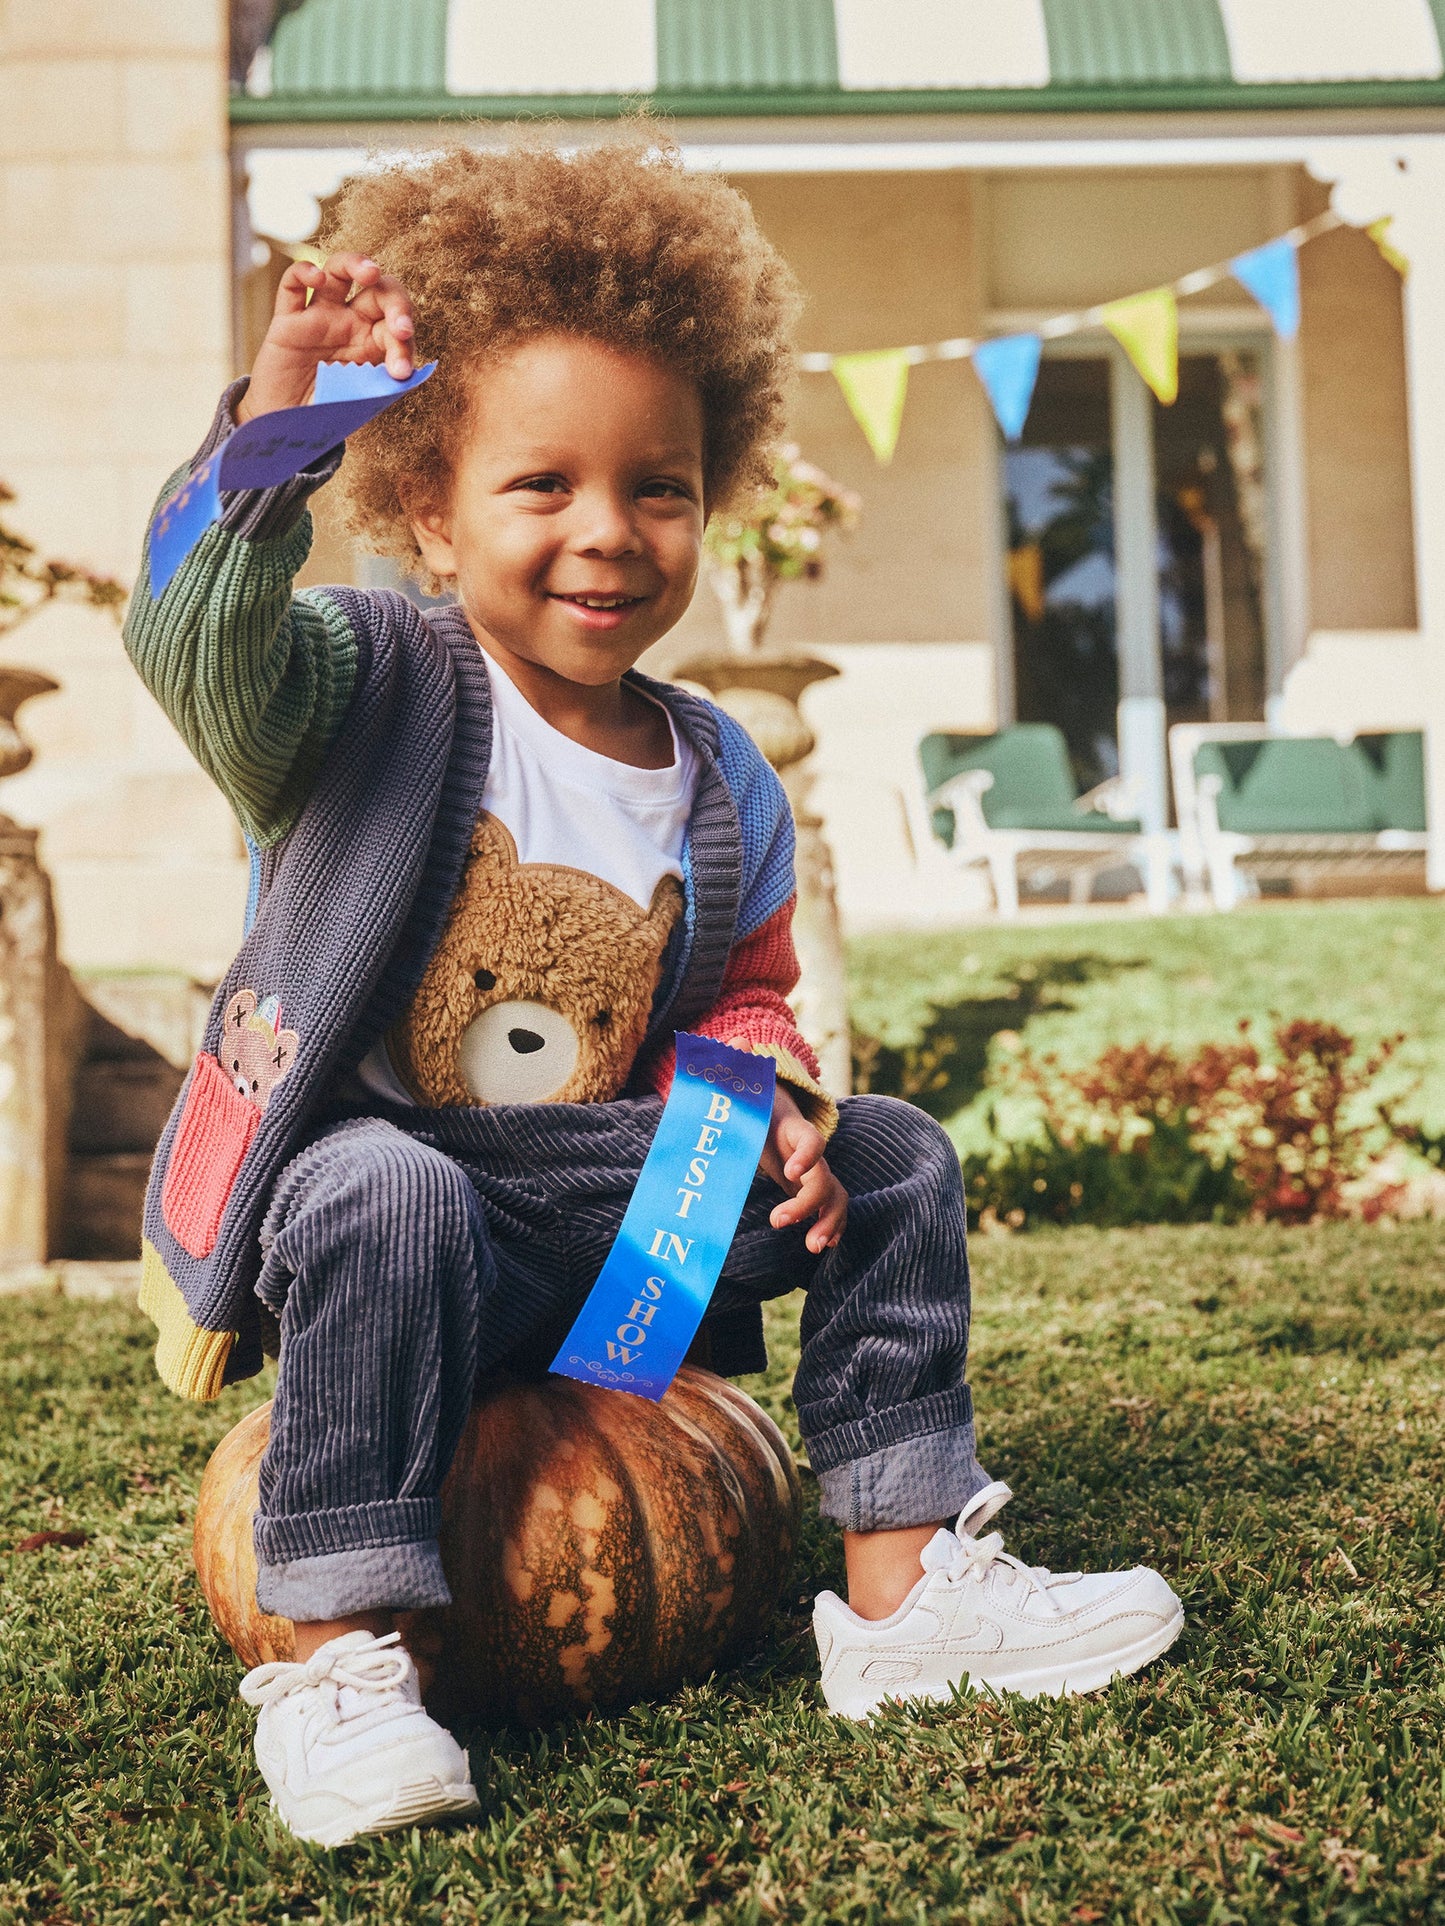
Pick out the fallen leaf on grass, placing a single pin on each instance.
(1282, 1835)
(38, 1540)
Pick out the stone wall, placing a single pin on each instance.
(115, 262)
(1357, 437)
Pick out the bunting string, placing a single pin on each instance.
(1146, 326)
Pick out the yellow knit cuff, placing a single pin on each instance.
(812, 1099)
(191, 1362)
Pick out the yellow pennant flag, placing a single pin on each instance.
(1379, 233)
(1146, 326)
(875, 386)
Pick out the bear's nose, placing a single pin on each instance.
(524, 1042)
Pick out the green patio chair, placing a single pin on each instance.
(1302, 808)
(1009, 802)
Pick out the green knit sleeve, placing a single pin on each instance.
(256, 679)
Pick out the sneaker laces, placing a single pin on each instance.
(961, 1554)
(378, 1667)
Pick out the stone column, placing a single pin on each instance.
(39, 1033)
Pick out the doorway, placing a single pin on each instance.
(1138, 556)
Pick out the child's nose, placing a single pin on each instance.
(608, 527)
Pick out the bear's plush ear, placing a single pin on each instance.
(241, 1006)
(282, 1052)
(493, 840)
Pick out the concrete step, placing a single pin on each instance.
(140, 1033)
(104, 1199)
(121, 1104)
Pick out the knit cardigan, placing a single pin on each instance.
(352, 734)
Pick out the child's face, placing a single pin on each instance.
(574, 529)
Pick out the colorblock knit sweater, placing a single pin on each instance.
(350, 735)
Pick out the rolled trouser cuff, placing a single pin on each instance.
(373, 1578)
(282, 1538)
(926, 1479)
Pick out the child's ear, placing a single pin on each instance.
(432, 528)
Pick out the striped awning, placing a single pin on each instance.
(418, 59)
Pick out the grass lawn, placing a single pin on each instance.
(1373, 967)
(1258, 1412)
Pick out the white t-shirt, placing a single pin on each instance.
(566, 804)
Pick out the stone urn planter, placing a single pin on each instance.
(761, 689)
(17, 686)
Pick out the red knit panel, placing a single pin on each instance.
(752, 1005)
(766, 959)
(215, 1132)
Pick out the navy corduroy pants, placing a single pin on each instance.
(405, 1254)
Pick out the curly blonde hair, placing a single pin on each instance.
(616, 243)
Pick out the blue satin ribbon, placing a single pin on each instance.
(268, 451)
(650, 1295)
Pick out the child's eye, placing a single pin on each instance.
(541, 485)
(661, 487)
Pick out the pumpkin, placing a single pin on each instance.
(600, 1548)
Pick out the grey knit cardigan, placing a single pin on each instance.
(349, 909)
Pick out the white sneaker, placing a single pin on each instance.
(344, 1744)
(978, 1618)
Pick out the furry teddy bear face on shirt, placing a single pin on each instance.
(540, 988)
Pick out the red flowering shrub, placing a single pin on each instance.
(1147, 1135)
(1300, 1136)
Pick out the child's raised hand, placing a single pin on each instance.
(355, 313)
(793, 1158)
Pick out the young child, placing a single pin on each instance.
(406, 1166)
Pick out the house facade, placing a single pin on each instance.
(1272, 544)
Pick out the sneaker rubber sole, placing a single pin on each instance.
(422, 1802)
(1053, 1682)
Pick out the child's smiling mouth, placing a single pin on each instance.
(598, 611)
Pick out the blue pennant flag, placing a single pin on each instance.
(1008, 367)
(269, 450)
(1271, 273)
(658, 1278)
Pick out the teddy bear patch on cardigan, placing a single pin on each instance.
(540, 988)
(255, 1051)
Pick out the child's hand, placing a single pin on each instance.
(356, 313)
(793, 1158)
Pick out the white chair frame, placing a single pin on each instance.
(1224, 856)
(1081, 855)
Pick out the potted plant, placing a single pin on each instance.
(777, 537)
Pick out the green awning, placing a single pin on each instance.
(332, 60)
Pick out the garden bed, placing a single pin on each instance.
(958, 999)
(1259, 1412)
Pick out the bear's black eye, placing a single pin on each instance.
(235, 1063)
(484, 980)
(603, 1019)
(255, 1083)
